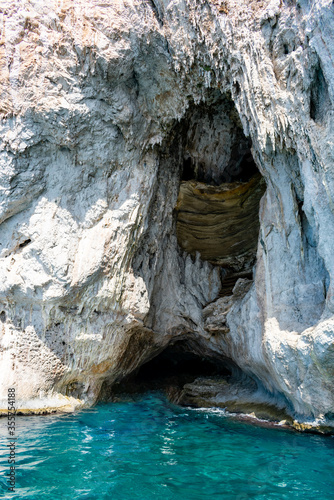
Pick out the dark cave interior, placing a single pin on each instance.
(241, 169)
(176, 365)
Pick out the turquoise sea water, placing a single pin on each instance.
(150, 449)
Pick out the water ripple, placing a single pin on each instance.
(150, 449)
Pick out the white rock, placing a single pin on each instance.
(90, 96)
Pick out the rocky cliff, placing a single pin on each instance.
(167, 175)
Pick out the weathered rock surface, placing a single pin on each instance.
(221, 223)
(103, 106)
(238, 397)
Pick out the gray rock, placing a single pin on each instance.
(99, 110)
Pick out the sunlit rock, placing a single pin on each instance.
(112, 112)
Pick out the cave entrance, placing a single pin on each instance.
(177, 365)
(217, 211)
(179, 361)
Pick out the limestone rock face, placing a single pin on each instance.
(221, 223)
(105, 108)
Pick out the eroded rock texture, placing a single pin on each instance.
(221, 223)
(105, 108)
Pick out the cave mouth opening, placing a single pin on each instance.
(178, 364)
(217, 217)
(217, 210)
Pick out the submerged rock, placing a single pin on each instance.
(234, 396)
(110, 114)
